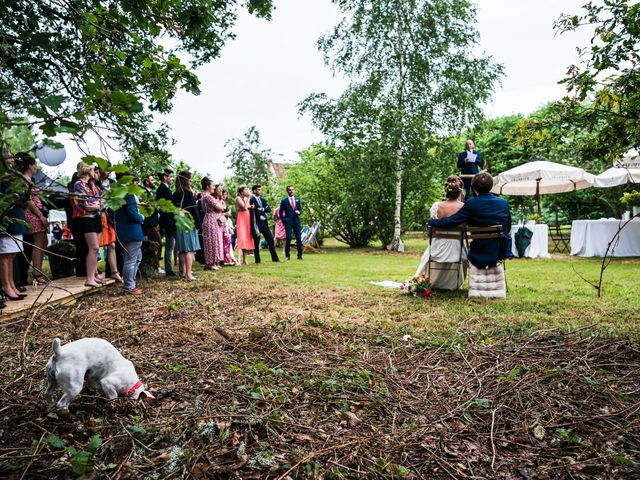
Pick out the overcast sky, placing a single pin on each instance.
(270, 67)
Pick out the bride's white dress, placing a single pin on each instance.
(446, 272)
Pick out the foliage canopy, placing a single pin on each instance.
(606, 84)
(413, 78)
(106, 65)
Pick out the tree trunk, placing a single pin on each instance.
(396, 244)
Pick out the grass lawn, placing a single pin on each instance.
(304, 370)
(542, 292)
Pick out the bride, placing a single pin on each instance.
(446, 272)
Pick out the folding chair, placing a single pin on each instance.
(561, 244)
(303, 236)
(454, 233)
(305, 233)
(311, 242)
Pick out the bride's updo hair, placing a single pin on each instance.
(453, 187)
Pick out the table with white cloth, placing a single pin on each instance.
(590, 238)
(539, 246)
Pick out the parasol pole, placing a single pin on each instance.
(538, 196)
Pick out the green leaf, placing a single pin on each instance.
(80, 463)
(67, 126)
(146, 211)
(54, 101)
(625, 460)
(124, 181)
(49, 142)
(36, 112)
(55, 442)
(91, 17)
(137, 429)
(49, 129)
(482, 402)
(119, 168)
(91, 159)
(94, 444)
(184, 221)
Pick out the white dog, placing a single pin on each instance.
(95, 360)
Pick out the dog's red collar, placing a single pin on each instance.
(132, 390)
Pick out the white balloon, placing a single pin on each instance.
(52, 157)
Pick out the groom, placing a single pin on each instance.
(483, 210)
(290, 210)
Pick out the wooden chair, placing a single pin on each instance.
(454, 233)
(490, 232)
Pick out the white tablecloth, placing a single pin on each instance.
(539, 246)
(589, 238)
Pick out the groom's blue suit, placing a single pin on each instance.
(483, 210)
(291, 222)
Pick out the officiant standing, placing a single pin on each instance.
(469, 162)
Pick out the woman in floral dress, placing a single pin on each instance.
(214, 217)
(228, 230)
(36, 216)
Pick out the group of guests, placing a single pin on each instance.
(219, 234)
(120, 232)
(213, 233)
(252, 223)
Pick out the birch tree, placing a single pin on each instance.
(417, 59)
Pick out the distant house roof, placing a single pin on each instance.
(278, 169)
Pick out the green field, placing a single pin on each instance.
(542, 292)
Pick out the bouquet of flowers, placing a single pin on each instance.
(418, 286)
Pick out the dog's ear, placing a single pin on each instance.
(146, 395)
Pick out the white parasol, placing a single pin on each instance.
(624, 171)
(541, 177)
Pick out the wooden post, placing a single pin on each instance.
(538, 196)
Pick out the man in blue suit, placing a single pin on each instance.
(483, 210)
(260, 225)
(290, 211)
(469, 162)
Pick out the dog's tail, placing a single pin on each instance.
(55, 345)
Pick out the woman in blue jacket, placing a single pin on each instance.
(129, 230)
